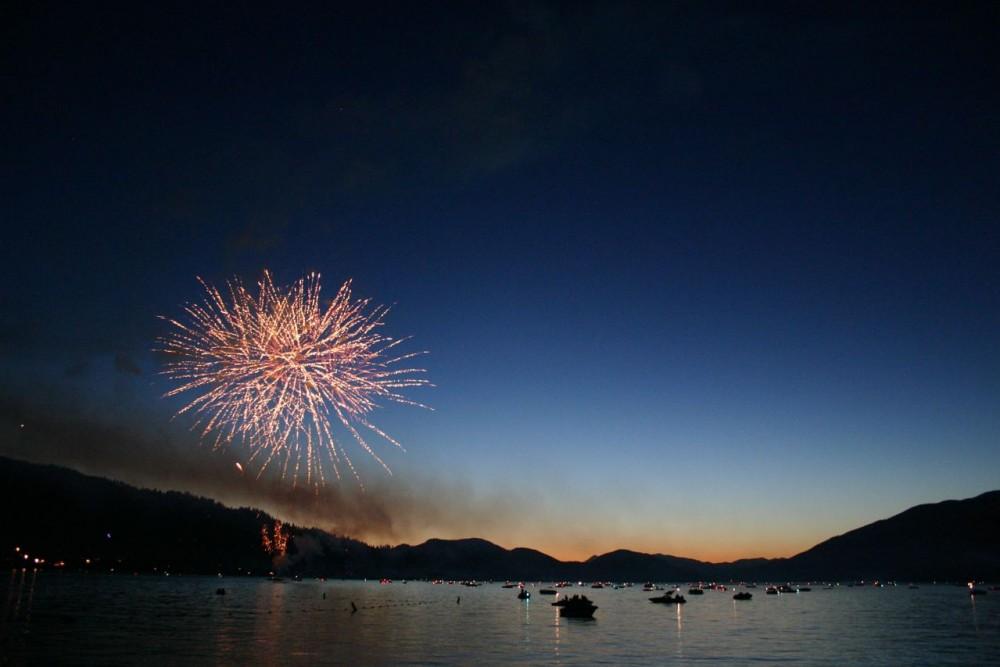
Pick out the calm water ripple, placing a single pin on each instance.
(64, 619)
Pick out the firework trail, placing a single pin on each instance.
(277, 371)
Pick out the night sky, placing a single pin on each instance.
(695, 278)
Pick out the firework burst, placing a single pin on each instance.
(277, 371)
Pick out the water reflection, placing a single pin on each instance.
(556, 625)
(227, 629)
(124, 620)
(9, 603)
(31, 597)
(269, 606)
(680, 630)
(18, 602)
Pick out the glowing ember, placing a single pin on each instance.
(274, 541)
(277, 371)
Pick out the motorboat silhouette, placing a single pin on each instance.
(578, 606)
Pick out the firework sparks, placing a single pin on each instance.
(274, 541)
(277, 372)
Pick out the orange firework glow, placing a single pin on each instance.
(274, 541)
(277, 371)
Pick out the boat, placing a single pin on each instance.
(668, 598)
(523, 595)
(578, 606)
(509, 585)
(597, 584)
(547, 591)
(771, 590)
(743, 596)
(975, 591)
(785, 588)
(696, 591)
(804, 589)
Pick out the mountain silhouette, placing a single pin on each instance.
(62, 515)
(953, 539)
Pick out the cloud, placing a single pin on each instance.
(390, 509)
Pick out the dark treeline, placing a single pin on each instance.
(61, 515)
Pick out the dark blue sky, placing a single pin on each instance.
(726, 276)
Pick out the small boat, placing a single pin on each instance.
(509, 585)
(523, 595)
(804, 589)
(696, 591)
(668, 598)
(547, 591)
(597, 584)
(743, 596)
(771, 590)
(785, 588)
(578, 606)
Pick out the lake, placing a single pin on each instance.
(52, 618)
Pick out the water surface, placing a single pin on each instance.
(55, 618)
